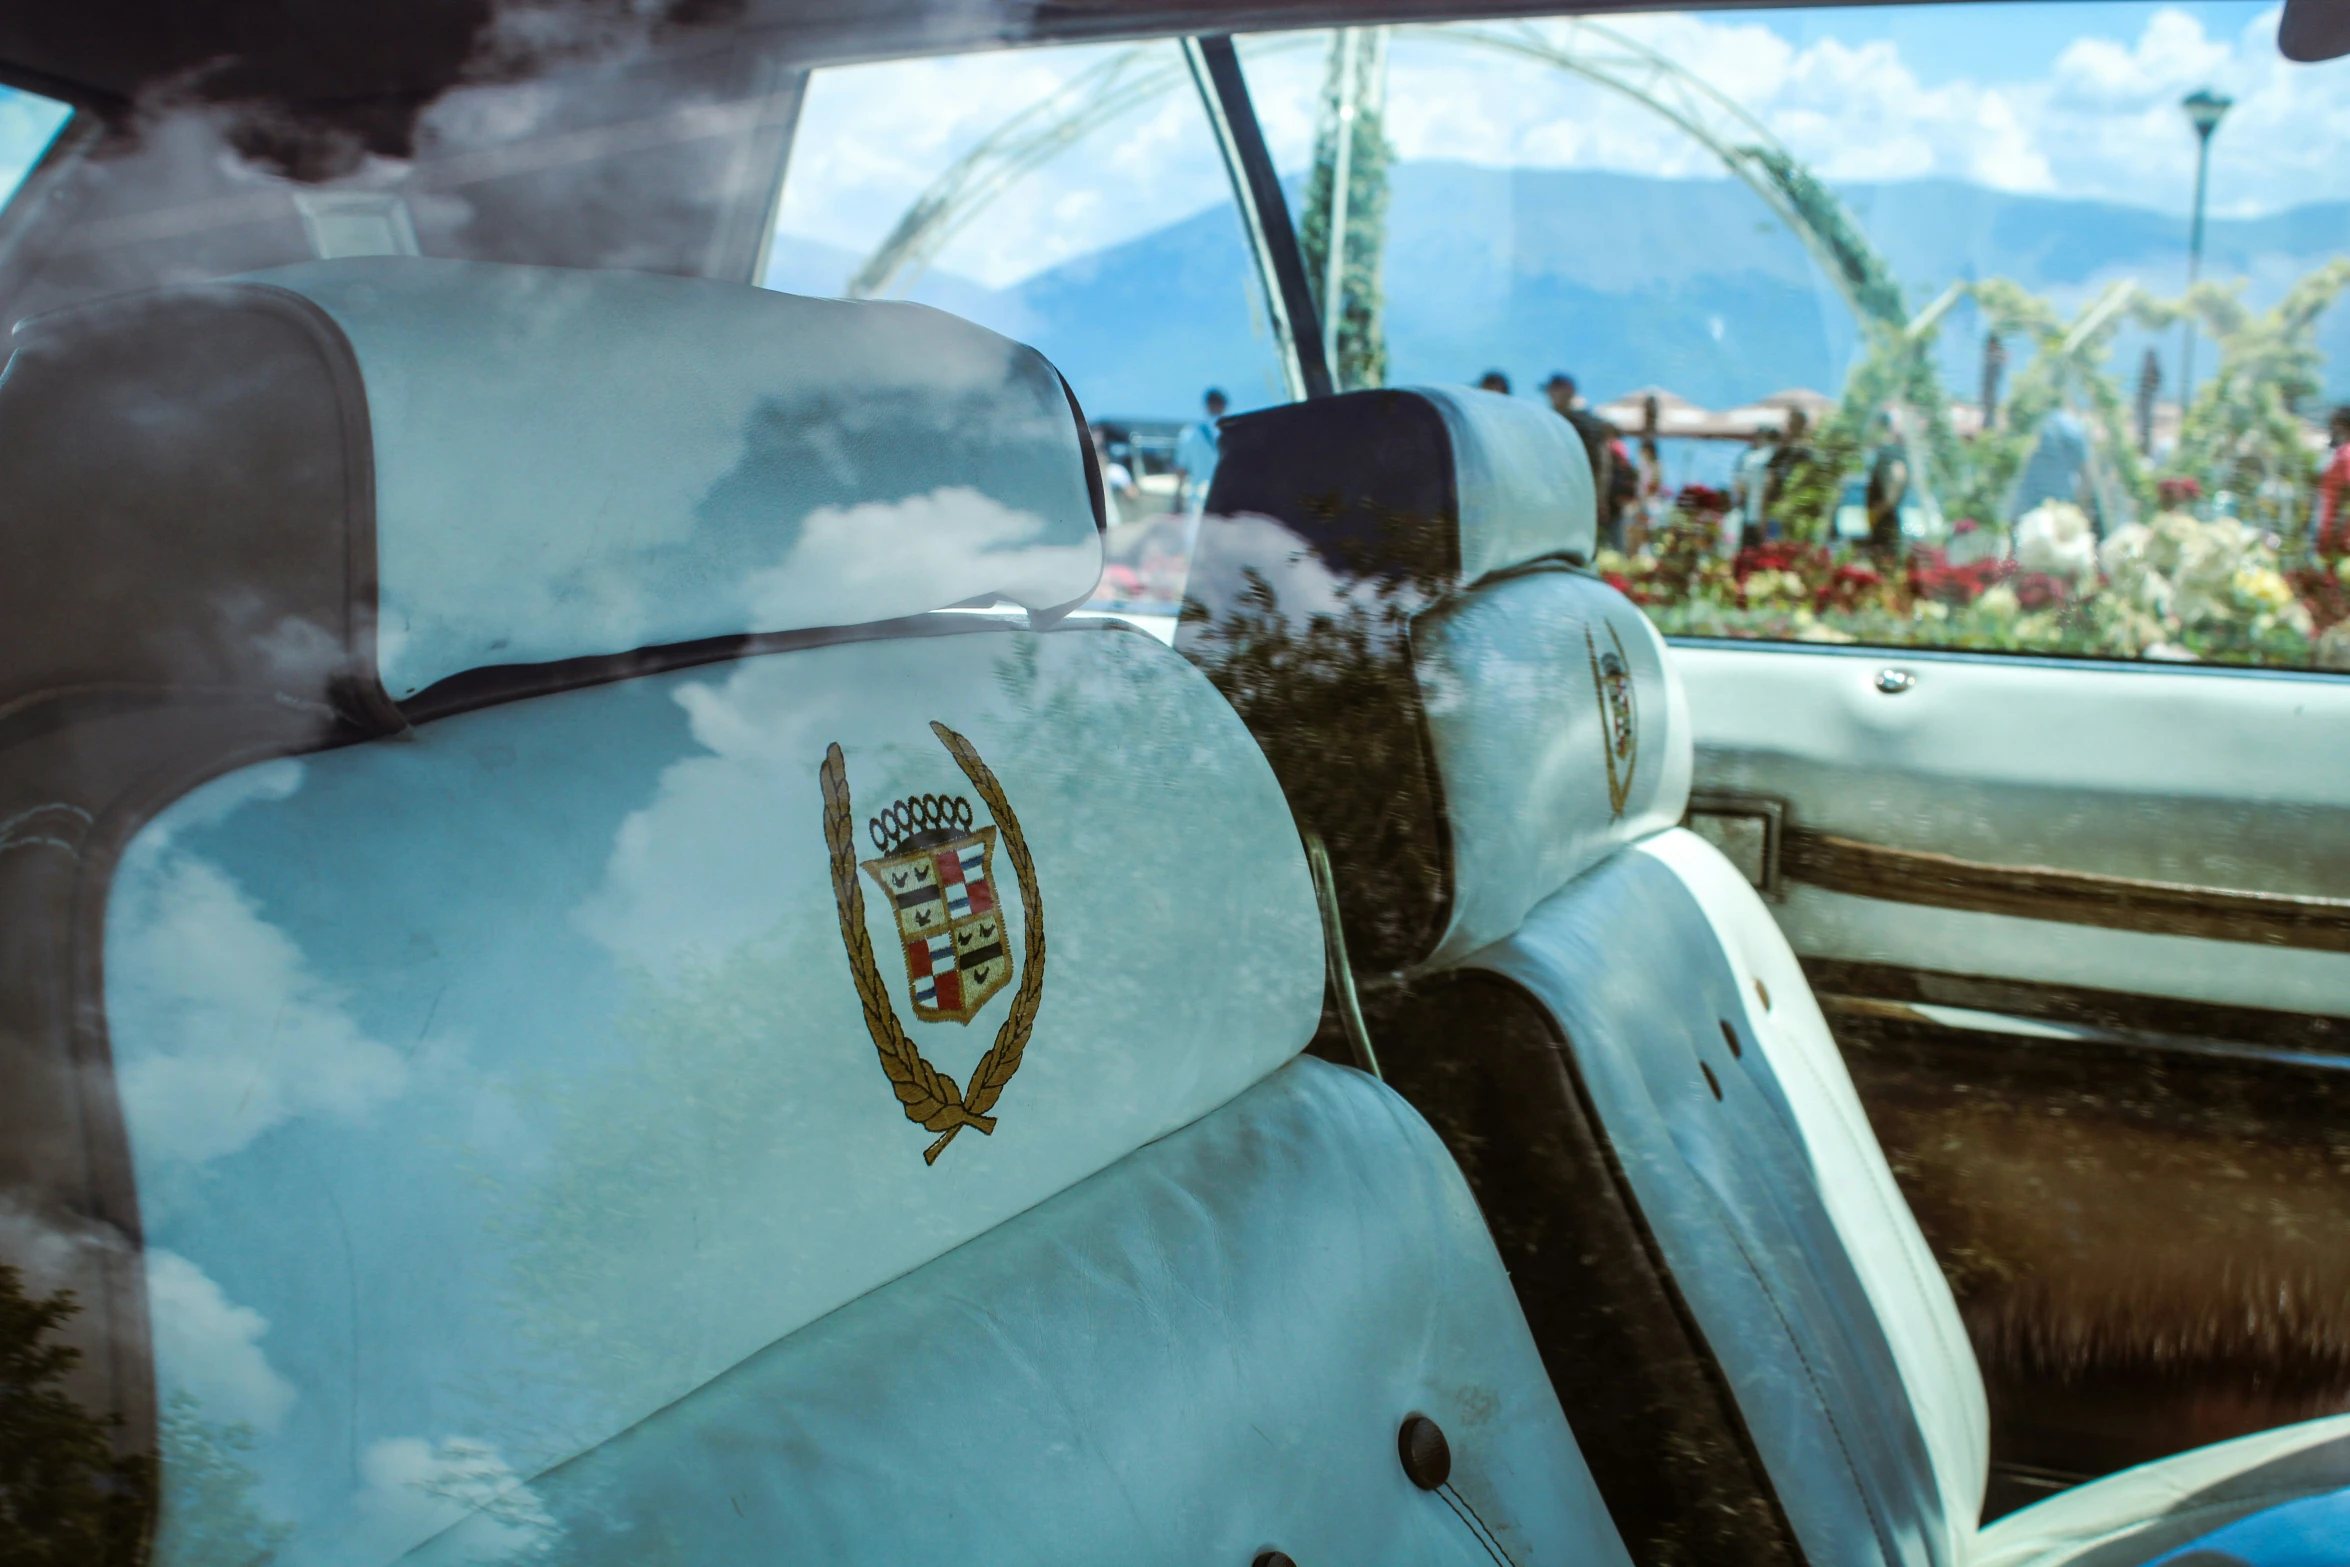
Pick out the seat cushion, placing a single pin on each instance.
(493, 1088)
(1203, 1352)
(1489, 1067)
(2130, 1518)
(1718, 1164)
(1904, 1283)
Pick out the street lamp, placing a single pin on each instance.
(2205, 109)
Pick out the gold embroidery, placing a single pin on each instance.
(931, 1097)
(1619, 720)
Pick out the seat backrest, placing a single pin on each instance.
(827, 1091)
(1744, 1325)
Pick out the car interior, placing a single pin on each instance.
(692, 874)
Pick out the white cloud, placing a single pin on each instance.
(2097, 119)
(701, 868)
(872, 138)
(221, 1027)
(209, 1347)
(852, 564)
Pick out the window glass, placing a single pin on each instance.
(1875, 320)
(28, 124)
(1074, 199)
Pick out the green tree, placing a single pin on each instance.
(1353, 97)
(67, 1498)
(2244, 431)
(1868, 281)
(209, 1515)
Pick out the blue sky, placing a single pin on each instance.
(1999, 41)
(2071, 100)
(27, 125)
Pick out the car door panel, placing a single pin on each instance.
(2080, 930)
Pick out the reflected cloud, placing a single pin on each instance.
(240, 1033)
(908, 556)
(417, 1489)
(693, 872)
(224, 1028)
(208, 1347)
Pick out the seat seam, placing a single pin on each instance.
(1708, 1361)
(1827, 1409)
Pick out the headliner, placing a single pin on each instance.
(368, 65)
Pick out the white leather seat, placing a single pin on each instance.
(557, 1131)
(1596, 1011)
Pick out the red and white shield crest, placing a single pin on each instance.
(939, 880)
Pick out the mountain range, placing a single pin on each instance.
(1622, 280)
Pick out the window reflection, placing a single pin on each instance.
(1875, 321)
(1073, 199)
(494, 1088)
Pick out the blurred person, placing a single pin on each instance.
(2058, 468)
(1888, 487)
(1196, 451)
(1619, 507)
(1787, 462)
(1117, 480)
(1748, 481)
(1609, 478)
(2333, 490)
(1494, 381)
(1648, 504)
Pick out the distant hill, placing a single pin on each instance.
(1621, 280)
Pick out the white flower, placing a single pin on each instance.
(2054, 537)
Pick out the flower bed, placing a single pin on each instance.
(2177, 588)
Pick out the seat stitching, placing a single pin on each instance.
(1835, 1428)
(1709, 1363)
(1909, 1258)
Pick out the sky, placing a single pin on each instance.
(2077, 100)
(27, 124)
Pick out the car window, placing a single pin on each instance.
(28, 124)
(1075, 199)
(1874, 321)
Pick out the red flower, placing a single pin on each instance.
(1702, 499)
(1931, 576)
(2038, 590)
(1849, 588)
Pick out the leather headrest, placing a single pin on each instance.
(1466, 718)
(1444, 485)
(517, 465)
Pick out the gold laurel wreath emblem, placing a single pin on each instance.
(931, 1097)
(1619, 724)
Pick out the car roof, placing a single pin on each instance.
(369, 66)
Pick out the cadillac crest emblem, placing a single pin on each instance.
(1619, 720)
(935, 871)
(936, 875)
